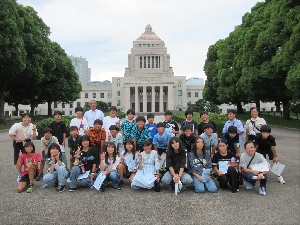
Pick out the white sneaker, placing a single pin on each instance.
(262, 191)
(248, 185)
(281, 180)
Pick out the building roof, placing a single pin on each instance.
(148, 35)
(195, 81)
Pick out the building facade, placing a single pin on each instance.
(82, 69)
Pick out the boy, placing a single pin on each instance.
(128, 125)
(116, 137)
(80, 122)
(45, 142)
(73, 142)
(111, 120)
(151, 125)
(141, 133)
(189, 121)
(265, 144)
(232, 140)
(171, 126)
(205, 120)
(234, 122)
(161, 139)
(187, 137)
(97, 137)
(59, 130)
(210, 139)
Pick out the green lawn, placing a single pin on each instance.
(273, 120)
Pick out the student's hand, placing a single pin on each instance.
(140, 155)
(135, 116)
(260, 176)
(122, 159)
(200, 179)
(211, 155)
(78, 151)
(102, 156)
(57, 156)
(159, 156)
(157, 176)
(20, 154)
(255, 172)
(176, 178)
(238, 154)
(219, 173)
(92, 176)
(34, 128)
(105, 173)
(275, 159)
(118, 123)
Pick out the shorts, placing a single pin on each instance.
(25, 178)
(161, 151)
(264, 153)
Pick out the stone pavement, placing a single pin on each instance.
(85, 206)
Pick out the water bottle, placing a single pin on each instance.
(232, 160)
(92, 184)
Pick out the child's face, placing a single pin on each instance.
(204, 117)
(199, 143)
(208, 131)
(97, 126)
(29, 149)
(79, 113)
(175, 145)
(187, 132)
(57, 117)
(73, 133)
(151, 120)
(160, 129)
(54, 152)
(130, 116)
(231, 116)
(250, 149)
(222, 147)
(265, 135)
(140, 124)
(129, 146)
(189, 116)
(148, 148)
(232, 135)
(110, 149)
(113, 132)
(168, 117)
(47, 135)
(112, 113)
(85, 143)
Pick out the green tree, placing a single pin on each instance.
(203, 105)
(12, 60)
(103, 106)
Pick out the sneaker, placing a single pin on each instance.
(39, 177)
(55, 185)
(248, 185)
(120, 185)
(72, 189)
(262, 191)
(30, 188)
(60, 188)
(281, 180)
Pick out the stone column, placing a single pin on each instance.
(161, 100)
(170, 97)
(153, 99)
(144, 98)
(136, 96)
(126, 104)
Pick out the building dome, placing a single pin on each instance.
(148, 35)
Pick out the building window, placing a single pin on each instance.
(109, 104)
(165, 92)
(63, 105)
(86, 95)
(189, 103)
(141, 62)
(196, 94)
(71, 113)
(109, 95)
(149, 61)
(78, 104)
(179, 85)
(132, 92)
(148, 45)
(101, 95)
(71, 105)
(94, 95)
(179, 102)
(179, 92)
(152, 61)
(145, 62)
(140, 45)
(156, 92)
(55, 105)
(63, 112)
(118, 102)
(189, 94)
(118, 93)
(118, 85)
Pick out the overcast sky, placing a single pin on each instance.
(103, 31)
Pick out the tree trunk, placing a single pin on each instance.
(286, 110)
(32, 106)
(257, 104)
(1, 106)
(49, 108)
(277, 105)
(239, 108)
(16, 109)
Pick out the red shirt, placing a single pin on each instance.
(25, 159)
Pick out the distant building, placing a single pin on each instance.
(195, 81)
(82, 69)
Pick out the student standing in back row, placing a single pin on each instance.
(79, 121)
(189, 121)
(205, 120)
(171, 125)
(111, 120)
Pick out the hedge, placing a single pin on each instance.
(219, 119)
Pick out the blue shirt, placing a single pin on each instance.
(91, 116)
(162, 141)
(152, 130)
(240, 127)
(142, 135)
(209, 141)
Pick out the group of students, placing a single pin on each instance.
(147, 153)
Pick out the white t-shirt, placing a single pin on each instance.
(81, 125)
(107, 122)
(258, 122)
(18, 126)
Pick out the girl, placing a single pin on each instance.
(175, 165)
(57, 171)
(86, 161)
(225, 165)
(198, 161)
(148, 169)
(108, 166)
(29, 161)
(128, 164)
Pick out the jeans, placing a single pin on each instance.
(75, 172)
(185, 179)
(231, 177)
(60, 176)
(200, 187)
(248, 177)
(64, 158)
(114, 178)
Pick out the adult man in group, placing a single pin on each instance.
(93, 113)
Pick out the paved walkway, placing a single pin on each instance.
(45, 206)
